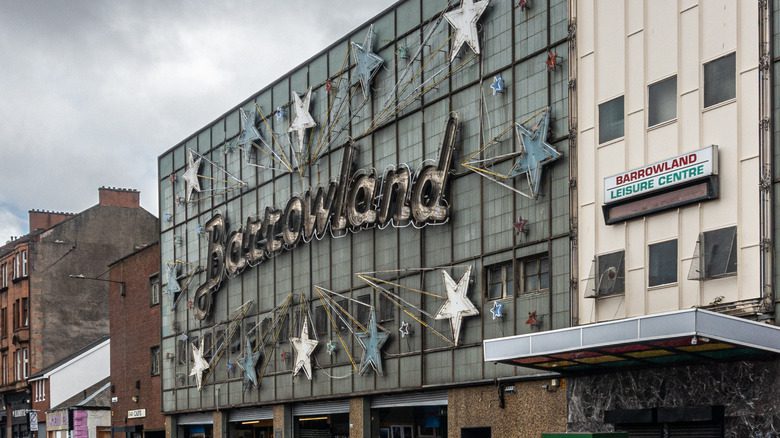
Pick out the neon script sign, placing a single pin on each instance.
(353, 202)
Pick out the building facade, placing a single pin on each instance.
(335, 249)
(136, 360)
(675, 223)
(48, 310)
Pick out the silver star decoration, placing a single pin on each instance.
(464, 23)
(535, 152)
(248, 364)
(372, 342)
(404, 329)
(303, 119)
(304, 347)
(457, 305)
(497, 311)
(249, 132)
(190, 176)
(199, 365)
(367, 63)
(172, 284)
(330, 347)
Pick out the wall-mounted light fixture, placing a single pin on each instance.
(84, 277)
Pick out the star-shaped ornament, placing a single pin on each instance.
(304, 347)
(552, 60)
(404, 329)
(330, 347)
(497, 311)
(367, 63)
(248, 363)
(172, 286)
(249, 132)
(372, 342)
(521, 225)
(498, 85)
(199, 365)
(303, 119)
(464, 24)
(535, 152)
(191, 181)
(458, 304)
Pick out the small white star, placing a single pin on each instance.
(464, 23)
(404, 329)
(190, 176)
(304, 347)
(457, 305)
(199, 365)
(497, 311)
(303, 119)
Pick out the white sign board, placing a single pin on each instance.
(136, 413)
(661, 175)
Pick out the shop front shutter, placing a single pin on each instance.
(321, 408)
(251, 414)
(196, 418)
(432, 398)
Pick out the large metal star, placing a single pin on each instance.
(199, 365)
(249, 132)
(367, 63)
(304, 347)
(464, 23)
(372, 342)
(535, 152)
(303, 119)
(191, 181)
(458, 304)
(248, 364)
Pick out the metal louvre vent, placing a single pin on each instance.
(433, 398)
(322, 408)
(250, 414)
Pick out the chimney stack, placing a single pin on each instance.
(44, 219)
(119, 197)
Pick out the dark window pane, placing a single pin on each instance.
(662, 101)
(362, 311)
(495, 282)
(342, 307)
(719, 249)
(386, 307)
(611, 120)
(611, 274)
(663, 263)
(720, 80)
(320, 321)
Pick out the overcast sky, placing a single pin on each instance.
(92, 92)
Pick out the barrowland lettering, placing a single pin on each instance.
(354, 202)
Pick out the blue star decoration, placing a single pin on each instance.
(248, 363)
(498, 86)
(172, 286)
(497, 311)
(372, 342)
(367, 63)
(535, 152)
(330, 347)
(249, 132)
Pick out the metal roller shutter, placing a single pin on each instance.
(250, 414)
(196, 418)
(432, 398)
(321, 408)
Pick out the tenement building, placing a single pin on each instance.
(335, 249)
(675, 223)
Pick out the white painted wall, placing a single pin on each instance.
(80, 373)
(623, 46)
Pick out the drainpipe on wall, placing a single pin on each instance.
(765, 151)
(573, 203)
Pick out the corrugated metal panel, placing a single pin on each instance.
(432, 398)
(249, 414)
(196, 418)
(322, 408)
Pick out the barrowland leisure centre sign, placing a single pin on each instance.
(353, 202)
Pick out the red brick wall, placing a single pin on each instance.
(118, 197)
(135, 329)
(43, 220)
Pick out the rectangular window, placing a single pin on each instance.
(611, 117)
(719, 252)
(4, 275)
(24, 263)
(18, 365)
(154, 290)
(321, 321)
(611, 278)
(181, 352)
(155, 360)
(16, 315)
(662, 101)
(499, 281)
(25, 363)
(720, 82)
(25, 316)
(17, 266)
(342, 307)
(386, 307)
(4, 322)
(5, 369)
(663, 263)
(361, 311)
(536, 274)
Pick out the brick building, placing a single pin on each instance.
(45, 315)
(135, 356)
